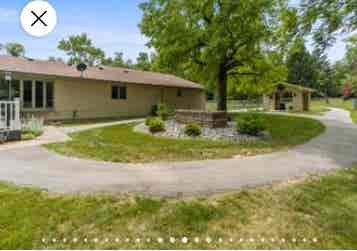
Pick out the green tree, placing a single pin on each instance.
(326, 19)
(143, 61)
(80, 49)
(301, 67)
(15, 49)
(214, 39)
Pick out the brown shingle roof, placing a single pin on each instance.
(106, 73)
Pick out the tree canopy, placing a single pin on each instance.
(301, 67)
(215, 39)
(326, 19)
(80, 49)
(15, 49)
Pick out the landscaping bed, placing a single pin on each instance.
(121, 144)
(318, 213)
(229, 133)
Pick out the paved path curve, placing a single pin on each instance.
(36, 166)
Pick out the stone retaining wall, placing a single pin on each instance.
(204, 118)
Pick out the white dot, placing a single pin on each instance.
(314, 240)
(148, 240)
(127, 240)
(262, 240)
(64, 240)
(272, 240)
(294, 240)
(197, 240)
(137, 240)
(85, 240)
(160, 240)
(54, 240)
(95, 240)
(116, 239)
(208, 240)
(172, 239)
(251, 240)
(184, 240)
(241, 240)
(283, 240)
(75, 239)
(220, 240)
(43, 23)
(106, 240)
(304, 240)
(231, 240)
(43, 240)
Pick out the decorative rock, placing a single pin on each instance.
(230, 133)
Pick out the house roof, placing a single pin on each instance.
(296, 87)
(104, 73)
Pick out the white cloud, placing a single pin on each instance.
(8, 15)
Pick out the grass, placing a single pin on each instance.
(323, 207)
(120, 144)
(337, 103)
(76, 122)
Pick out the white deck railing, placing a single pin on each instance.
(10, 115)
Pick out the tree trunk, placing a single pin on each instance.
(222, 91)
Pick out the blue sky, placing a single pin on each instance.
(111, 24)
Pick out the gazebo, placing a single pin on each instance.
(290, 97)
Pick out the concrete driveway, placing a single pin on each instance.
(36, 166)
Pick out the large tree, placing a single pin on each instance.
(80, 49)
(214, 39)
(15, 49)
(301, 67)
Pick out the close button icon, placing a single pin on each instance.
(38, 18)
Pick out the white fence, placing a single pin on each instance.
(10, 115)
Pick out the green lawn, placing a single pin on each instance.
(120, 144)
(324, 208)
(77, 122)
(338, 103)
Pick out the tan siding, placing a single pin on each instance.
(92, 99)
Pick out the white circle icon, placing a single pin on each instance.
(38, 18)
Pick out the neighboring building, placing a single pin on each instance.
(58, 91)
(286, 96)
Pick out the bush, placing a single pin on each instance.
(251, 124)
(33, 126)
(164, 111)
(156, 125)
(193, 130)
(148, 120)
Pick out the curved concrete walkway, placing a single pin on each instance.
(36, 166)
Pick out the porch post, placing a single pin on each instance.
(21, 93)
(17, 121)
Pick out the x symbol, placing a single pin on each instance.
(38, 18)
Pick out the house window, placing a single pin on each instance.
(27, 93)
(39, 94)
(115, 92)
(119, 92)
(122, 92)
(49, 94)
(179, 92)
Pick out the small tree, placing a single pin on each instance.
(80, 49)
(15, 49)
